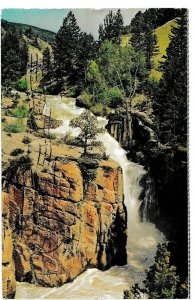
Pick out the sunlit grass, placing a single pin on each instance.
(163, 36)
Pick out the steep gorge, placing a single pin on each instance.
(58, 229)
(66, 224)
(164, 193)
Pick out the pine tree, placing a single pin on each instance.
(137, 31)
(89, 131)
(118, 26)
(66, 49)
(24, 56)
(171, 99)
(87, 52)
(14, 53)
(149, 43)
(46, 60)
(72, 51)
(161, 280)
(143, 35)
(47, 70)
(112, 28)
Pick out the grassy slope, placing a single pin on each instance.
(44, 34)
(34, 51)
(163, 35)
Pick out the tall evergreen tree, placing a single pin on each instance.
(149, 43)
(46, 60)
(72, 51)
(143, 35)
(24, 56)
(137, 31)
(118, 26)
(66, 49)
(14, 53)
(87, 52)
(112, 28)
(47, 70)
(171, 99)
(161, 279)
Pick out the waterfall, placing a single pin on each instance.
(142, 236)
(149, 206)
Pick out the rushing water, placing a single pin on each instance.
(142, 237)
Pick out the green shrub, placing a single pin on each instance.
(100, 110)
(115, 97)
(88, 166)
(3, 120)
(26, 140)
(20, 112)
(22, 85)
(32, 122)
(97, 109)
(70, 140)
(87, 99)
(16, 152)
(16, 127)
(17, 166)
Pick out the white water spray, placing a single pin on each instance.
(142, 237)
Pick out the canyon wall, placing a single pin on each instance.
(164, 196)
(8, 266)
(57, 225)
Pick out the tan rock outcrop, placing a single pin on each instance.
(8, 266)
(60, 229)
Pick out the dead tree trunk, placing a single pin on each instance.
(37, 66)
(50, 153)
(31, 68)
(129, 125)
(49, 125)
(45, 154)
(39, 154)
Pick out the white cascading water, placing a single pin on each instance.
(142, 237)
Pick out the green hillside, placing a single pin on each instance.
(43, 37)
(163, 35)
(46, 35)
(34, 51)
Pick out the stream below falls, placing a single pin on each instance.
(142, 240)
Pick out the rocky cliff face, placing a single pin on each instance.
(141, 128)
(8, 266)
(60, 229)
(164, 196)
